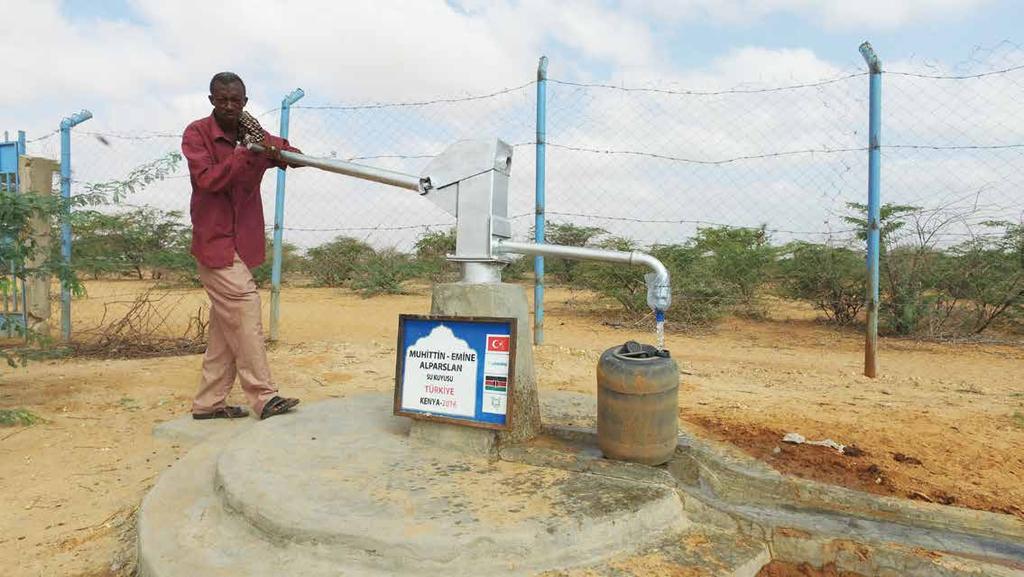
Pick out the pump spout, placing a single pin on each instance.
(659, 286)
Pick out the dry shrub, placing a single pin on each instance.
(145, 330)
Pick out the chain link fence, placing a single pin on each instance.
(402, 137)
(651, 164)
(953, 145)
(654, 165)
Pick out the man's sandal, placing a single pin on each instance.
(278, 406)
(228, 412)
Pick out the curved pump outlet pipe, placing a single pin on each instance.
(659, 287)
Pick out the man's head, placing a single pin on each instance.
(227, 95)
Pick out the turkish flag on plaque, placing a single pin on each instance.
(498, 343)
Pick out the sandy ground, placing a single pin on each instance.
(944, 422)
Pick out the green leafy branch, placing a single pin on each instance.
(140, 177)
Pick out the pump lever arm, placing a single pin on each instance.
(381, 175)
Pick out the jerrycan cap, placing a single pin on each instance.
(638, 351)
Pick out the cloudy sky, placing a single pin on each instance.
(144, 65)
(117, 57)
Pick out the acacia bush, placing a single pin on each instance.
(332, 264)
(382, 272)
(906, 265)
(738, 258)
(432, 249)
(22, 257)
(699, 297)
(351, 263)
(831, 278)
(925, 290)
(940, 291)
(139, 242)
(980, 283)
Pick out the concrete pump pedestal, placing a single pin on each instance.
(340, 488)
(491, 300)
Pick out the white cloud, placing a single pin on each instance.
(134, 73)
(137, 72)
(875, 14)
(840, 14)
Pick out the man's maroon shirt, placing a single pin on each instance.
(226, 208)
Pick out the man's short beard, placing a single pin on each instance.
(225, 121)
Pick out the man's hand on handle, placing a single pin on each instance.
(252, 133)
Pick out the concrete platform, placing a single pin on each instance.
(339, 488)
(189, 432)
(802, 521)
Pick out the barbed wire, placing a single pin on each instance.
(420, 156)
(46, 136)
(708, 162)
(694, 222)
(380, 228)
(953, 76)
(419, 103)
(144, 136)
(954, 146)
(691, 92)
(782, 153)
(141, 135)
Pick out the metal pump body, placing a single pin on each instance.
(470, 181)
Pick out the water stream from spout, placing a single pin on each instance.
(659, 328)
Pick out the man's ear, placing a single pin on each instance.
(210, 98)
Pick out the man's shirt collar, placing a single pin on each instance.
(216, 131)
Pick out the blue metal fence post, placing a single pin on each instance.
(65, 227)
(24, 280)
(20, 153)
(275, 270)
(538, 230)
(874, 210)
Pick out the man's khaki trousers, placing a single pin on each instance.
(235, 345)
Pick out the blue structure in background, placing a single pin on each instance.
(15, 297)
(65, 228)
(10, 150)
(275, 270)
